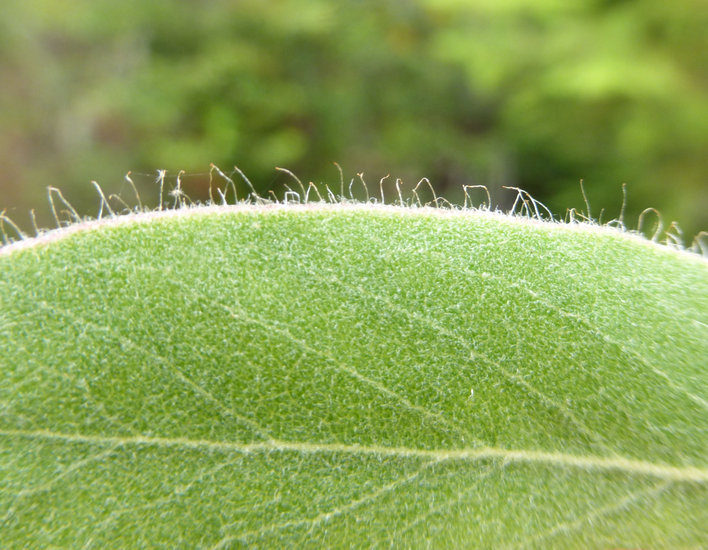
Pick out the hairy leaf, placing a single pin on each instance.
(352, 376)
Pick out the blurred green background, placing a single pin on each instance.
(536, 94)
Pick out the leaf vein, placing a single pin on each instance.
(630, 466)
(260, 430)
(334, 512)
(568, 527)
(243, 316)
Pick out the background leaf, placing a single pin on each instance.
(531, 94)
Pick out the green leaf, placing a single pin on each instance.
(351, 376)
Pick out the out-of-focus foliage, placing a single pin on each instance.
(535, 94)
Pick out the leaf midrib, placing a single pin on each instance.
(584, 462)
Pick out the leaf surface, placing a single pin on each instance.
(360, 376)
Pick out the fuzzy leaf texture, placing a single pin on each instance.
(299, 377)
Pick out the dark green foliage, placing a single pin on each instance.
(532, 94)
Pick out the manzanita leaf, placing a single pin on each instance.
(352, 377)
